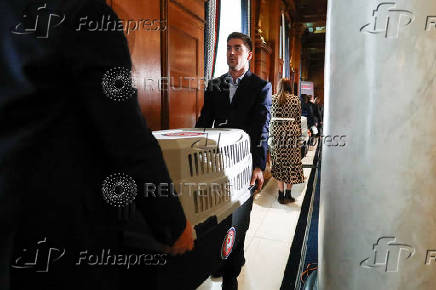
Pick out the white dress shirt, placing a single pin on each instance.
(234, 85)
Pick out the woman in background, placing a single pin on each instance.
(285, 132)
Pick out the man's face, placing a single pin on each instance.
(238, 54)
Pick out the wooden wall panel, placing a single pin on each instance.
(274, 40)
(182, 108)
(263, 59)
(193, 7)
(253, 26)
(145, 50)
(185, 61)
(183, 67)
(268, 23)
(296, 52)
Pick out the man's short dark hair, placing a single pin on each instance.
(245, 38)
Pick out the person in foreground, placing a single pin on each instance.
(285, 131)
(61, 138)
(239, 99)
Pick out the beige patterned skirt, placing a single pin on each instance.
(285, 150)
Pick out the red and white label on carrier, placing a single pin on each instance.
(183, 134)
(228, 243)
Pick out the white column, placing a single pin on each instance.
(378, 192)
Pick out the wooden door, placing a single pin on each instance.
(145, 50)
(185, 62)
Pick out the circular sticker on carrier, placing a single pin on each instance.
(228, 243)
(183, 134)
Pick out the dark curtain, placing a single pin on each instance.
(287, 72)
(245, 11)
(211, 36)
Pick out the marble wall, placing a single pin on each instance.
(378, 192)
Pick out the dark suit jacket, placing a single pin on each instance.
(249, 110)
(307, 111)
(315, 112)
(60, 137)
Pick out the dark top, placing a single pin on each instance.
(315, 112)
(61, 136)
(249, 111)
(320, 111)
(307, 111)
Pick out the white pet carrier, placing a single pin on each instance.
(210, 168)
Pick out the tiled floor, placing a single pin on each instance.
(269, 237)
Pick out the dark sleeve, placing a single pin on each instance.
(318, 112)
(207, 115)
(259, 129)
(307, 112)
(315, 110)
(125, 137)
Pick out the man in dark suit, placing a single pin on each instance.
(320, 110)
(315, 111)
(61, 137)
(307, 110)
(239, 99)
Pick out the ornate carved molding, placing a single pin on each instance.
(260, 43)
